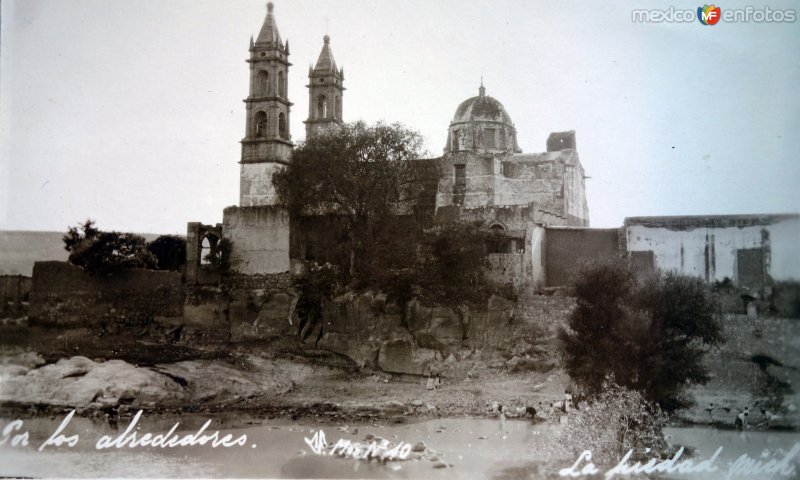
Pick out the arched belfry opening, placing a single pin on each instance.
(282, 126)
(322, 107)
(262, 84)
(261, 122)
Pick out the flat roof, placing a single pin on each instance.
(710, 221)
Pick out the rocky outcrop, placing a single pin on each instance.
(81, 382)
(436, 340)
(417, 339)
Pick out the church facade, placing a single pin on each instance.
(538, 200)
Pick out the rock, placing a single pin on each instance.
(513, 363)
(126, 397)
(76, 381)
(80, 382)
(418, 447)
(401, 355)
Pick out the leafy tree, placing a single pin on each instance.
(454, 271)
(363, 174)
(106, 253)
(170, 251)
(75, 236)
(649, 336)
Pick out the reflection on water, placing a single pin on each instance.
(757, 445)
(476, 448)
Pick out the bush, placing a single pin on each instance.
(649, 337)
(785, 299)
(112, 252)
(616, 420)
(170, 251)
(104, 253)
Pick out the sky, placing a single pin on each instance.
(131, 112)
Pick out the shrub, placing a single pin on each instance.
(649, 337)
(785, 299)
(615, 421)
(170, 251)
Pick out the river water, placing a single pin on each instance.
(472, 448)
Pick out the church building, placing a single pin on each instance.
(538, 200)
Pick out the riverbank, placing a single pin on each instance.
(270, 385)
(45, 371)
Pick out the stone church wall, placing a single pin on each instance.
(259, 238)
(478, 178)
(255, 183)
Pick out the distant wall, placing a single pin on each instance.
(259, 239)
(65, 295)
(14, 290)
(566, 250)
(748, 249)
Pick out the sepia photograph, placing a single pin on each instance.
(419, 239)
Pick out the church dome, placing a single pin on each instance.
(482, 125)
(482, 107)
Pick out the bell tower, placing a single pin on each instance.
(325, 91)
(267, 144)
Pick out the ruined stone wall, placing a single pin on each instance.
(259, 306)
(576, 207)
(553, 181)
(479, 175)
(507, 269)
(14, 291)
(709, 247)
(567, 249)
(65, 295)
(527, 178)
(512, 218)
(259, 239)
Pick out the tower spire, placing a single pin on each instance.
(325, 60)
(269, 30)
(325, 89)
(267, 144)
